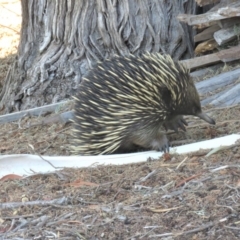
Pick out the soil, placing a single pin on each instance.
(191, 196)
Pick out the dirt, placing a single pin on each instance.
(175, 197)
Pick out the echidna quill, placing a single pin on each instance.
(125, 102)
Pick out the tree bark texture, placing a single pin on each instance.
(61, 39)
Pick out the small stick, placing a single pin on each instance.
(188, 179)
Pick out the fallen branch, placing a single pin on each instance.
(64, 117)
(206, 34)
(225, 35)
(229, 97)
(33, 112)
(218, 81)
(207, 18)
(205, 71)
(226, 55)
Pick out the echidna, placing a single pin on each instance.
(124, 102)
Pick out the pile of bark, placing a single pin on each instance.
(218, 26)
(217, 29)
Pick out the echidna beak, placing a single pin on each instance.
(206, 118)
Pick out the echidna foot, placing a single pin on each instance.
(161, 144)
(175, 123)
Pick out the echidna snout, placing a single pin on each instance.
(206, 118)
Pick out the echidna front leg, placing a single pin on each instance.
(160, 143)
(175, 123)
(150, 139)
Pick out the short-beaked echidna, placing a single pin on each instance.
(124, 102)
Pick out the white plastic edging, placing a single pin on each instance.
(25, 165)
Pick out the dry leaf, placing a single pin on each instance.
(10, 177)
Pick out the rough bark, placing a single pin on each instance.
(61, 39)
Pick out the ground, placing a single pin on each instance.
(190, 196)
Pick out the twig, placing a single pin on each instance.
(23, 216)
(2, 5)
(208, 225)
(30, 145)
(179, 165)
(58, 201)
(144, 235)
(219, 168)
(188, 179)
(232, 228)
(221, 148)
(148, 176)
(10, 28)
(184, 233)
(173, 194)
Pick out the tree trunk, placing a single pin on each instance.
(61, 39)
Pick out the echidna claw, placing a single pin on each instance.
(161, 143)
(175, 123)
(165, 148)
